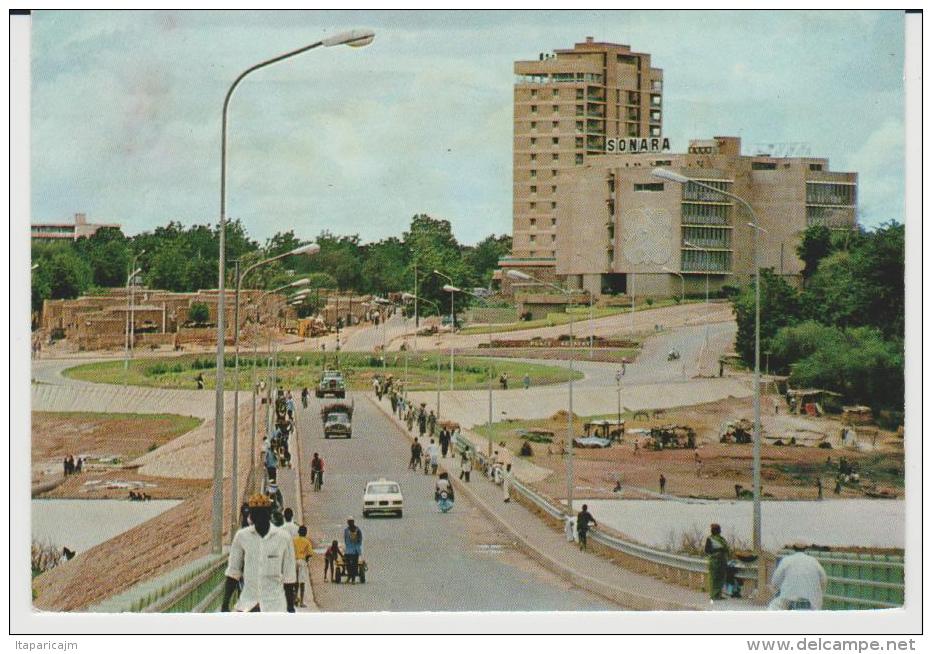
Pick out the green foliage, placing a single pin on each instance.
(482, 259)
(815, 245)
(199, 313)
(857, 362)
(433, 247)
(779, 307)
(864, 285)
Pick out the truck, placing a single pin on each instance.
(331, 383)
(338, 420)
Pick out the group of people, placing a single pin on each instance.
(276, 450)
(73, 466)
(799, 579)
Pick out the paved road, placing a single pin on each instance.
(425, 561)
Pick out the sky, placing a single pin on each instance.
(126, 109)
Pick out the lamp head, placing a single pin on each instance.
(353, 38)
(304, 281)
(408, 297)
(518, 275)
(309, 250)
(448, 288)
(670, 176)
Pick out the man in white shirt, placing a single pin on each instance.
(434, 453)
(290, 525)
(800, 582)
(263, 557)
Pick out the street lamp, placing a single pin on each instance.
(682, 281)
(310, 249)
(672, 176)
(453, 289)
(130, 301)
(520, 276)
(452, 317)
(354, 38)
(437, 307)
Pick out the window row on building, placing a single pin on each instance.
(830, 193)
(705, 261)
(558, 78)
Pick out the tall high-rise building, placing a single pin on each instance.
(566, 105)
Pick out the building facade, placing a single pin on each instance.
(566, 105)
(621, 230)
(71, 231)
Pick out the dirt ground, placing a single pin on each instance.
(124, 436)
(116, 485)
(713, 469)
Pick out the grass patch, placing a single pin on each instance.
(300, 369)
(563, 318)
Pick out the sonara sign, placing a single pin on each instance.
(635, 146)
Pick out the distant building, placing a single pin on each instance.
(566, 105)
(621, 230)
(72, 231)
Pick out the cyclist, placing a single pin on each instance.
(317, 471)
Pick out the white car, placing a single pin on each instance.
(382, 496)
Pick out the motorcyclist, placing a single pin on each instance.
(443, 485)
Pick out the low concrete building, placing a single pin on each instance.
(621, 230)
(70, 231)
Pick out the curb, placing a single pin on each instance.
(625, 598)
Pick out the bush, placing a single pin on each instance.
(649, 301)
(198, 313)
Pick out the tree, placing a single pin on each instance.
(198, 313)
(863, 285)
(433, 247)
(482, 259)
(779, 307)
(385, 267)
(815, 245)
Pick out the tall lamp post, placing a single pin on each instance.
(240, 276)
(452, 318)
(453, 289)
(672, 176)
(437, 307)
(130, 302)
(520, 276)
(355, 38)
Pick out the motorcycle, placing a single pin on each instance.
(444, 501)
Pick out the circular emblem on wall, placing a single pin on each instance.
(648, 237)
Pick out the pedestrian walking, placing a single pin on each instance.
(409, 418)
(331, 556)
(290, 525)
(352, 549)
(506, 484)
(431, 423)
(262, 556)
(716, 548)
(416, 450)
(271, 462)
(583, 520)
(465, 466)
(800, 582)
(526, 381)
(663, 483)
(444, 441)
(199, 380)
(422, 419)
(776, 406)
(503, 381)
(302, 559)
(819, 486)
(304, 395)
(434, 453)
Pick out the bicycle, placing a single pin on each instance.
(318, 481)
